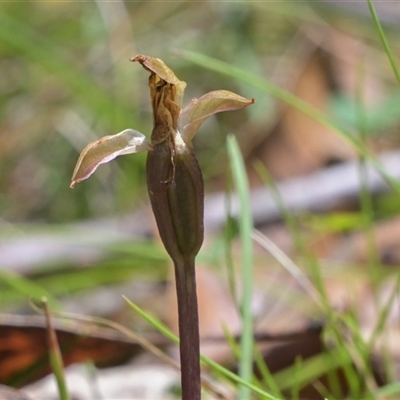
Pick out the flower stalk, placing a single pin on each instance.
(175, 188)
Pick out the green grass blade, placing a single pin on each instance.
(246, 229)
(384, 313)
(360, 352)
(26, 287)
(229, 235)
(55, 356)
(267, 87)
(266, 376)
(366, 200)
(212, 364)
(58, 279)
(385, 43)
(312, 368)
(292, 100)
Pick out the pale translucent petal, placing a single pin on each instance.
(198, 110)
(105, 150)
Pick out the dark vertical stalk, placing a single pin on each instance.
(189, 344)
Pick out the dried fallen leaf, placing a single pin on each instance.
(23, 347)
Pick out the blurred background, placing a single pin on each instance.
(66, 79)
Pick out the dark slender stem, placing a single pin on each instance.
(188, 329)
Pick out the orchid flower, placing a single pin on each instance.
(183, 123)
(175, 187)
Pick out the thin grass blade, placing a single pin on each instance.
(246, 229)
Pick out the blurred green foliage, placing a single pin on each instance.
(67, 79)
